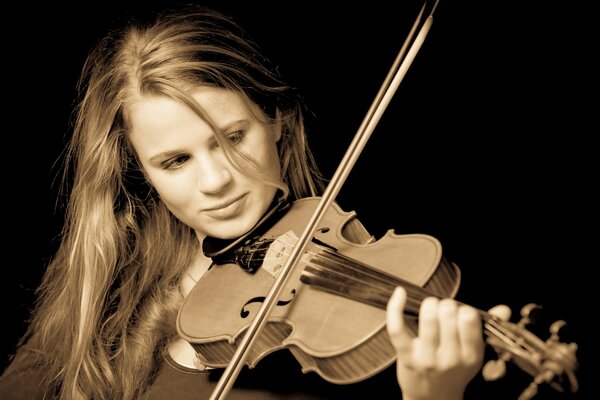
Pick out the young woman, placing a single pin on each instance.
(185, 131)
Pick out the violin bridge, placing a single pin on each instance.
(278, 253)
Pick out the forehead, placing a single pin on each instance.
(220, 103)
(217, 105)
(158, 124)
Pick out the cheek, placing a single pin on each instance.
(172, 190)
(270, 161)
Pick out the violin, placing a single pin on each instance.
(299, 281)
(331, 316)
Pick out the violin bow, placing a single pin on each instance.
(405, 57)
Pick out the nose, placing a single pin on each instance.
(213, 174)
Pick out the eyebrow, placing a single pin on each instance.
(241, 123)
(164, 156)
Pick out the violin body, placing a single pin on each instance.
(341, 339)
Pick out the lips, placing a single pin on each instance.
(225, 204)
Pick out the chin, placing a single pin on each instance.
(232, 232)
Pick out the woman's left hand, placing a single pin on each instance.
(446, 354)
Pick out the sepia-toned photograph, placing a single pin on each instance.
(299, 200)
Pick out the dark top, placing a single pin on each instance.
(277, 376)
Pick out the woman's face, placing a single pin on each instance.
(190, 171)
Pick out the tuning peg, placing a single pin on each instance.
(496, 369)
(529, 391)
(546, 376)
(493, 370)
(554, 329)
(527, 314)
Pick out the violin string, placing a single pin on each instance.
(511, 333)
(351, 270)
(360, 275)
(529, 343)
(341, 275)
(498, 331)
(348, 277)
(518, 343)
(493, 326)
(364, 270)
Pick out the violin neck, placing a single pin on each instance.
(333, 272)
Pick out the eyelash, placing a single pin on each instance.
(236, 137)
(175, 163)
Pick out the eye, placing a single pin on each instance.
(236, 137)
(175, 162)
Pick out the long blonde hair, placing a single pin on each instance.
(107, 303)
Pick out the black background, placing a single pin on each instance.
(487, 145)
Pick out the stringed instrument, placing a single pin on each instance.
(331, 315)
(306, 286)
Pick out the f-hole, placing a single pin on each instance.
(281, 303)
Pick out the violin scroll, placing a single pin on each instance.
(551, 361)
